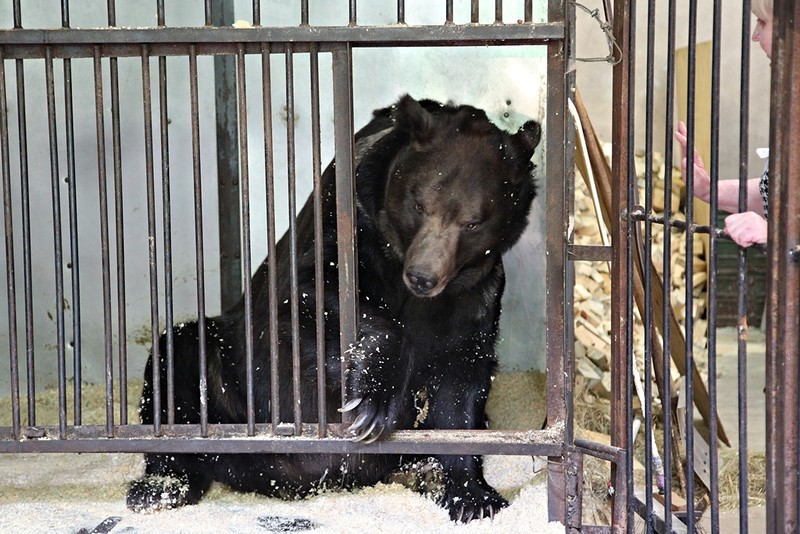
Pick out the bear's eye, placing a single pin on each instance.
(471, 227)
(419, 208)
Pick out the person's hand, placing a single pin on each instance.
(746, 228)
(702, 181)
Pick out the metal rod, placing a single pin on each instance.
(169, 335)
(198, 232)
(449, 12)
(272, 265)
(8, 220)
(744, 130)
(401, 11)
(105, 261)
(304, 12)
(346, 211)
(294, 297)
(30, 360)
(319, 275)
(475, 7)
(57, 249)
(246, 256)
(498, 11)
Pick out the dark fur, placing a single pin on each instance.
(442, 194)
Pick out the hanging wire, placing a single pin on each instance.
(614, 52)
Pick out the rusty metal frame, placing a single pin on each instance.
(156, 44)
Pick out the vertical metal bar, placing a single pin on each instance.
(558, 204)
(294, 297)
(475, 11)
(230, 265)
(26, 239)
(319, 276)
(74, 263)
(246, 257)
(57, 247)
(304, 12)
(688, 276)
(353, 13)
(160, 17)
(449, 12)
(8, 220)
(272, 266)
(498, 11)
(17, 15)
(401, 12)
(120, 232)
(744, 131)
(666, 288)
(209, 10)
(783, 358)
(198, 229)
(345, 205)
(169, 336)
(620, 232)
(712, 268)
(528, 11)
(647, 318)
(65, 13)
(104, 242)
(257, 12)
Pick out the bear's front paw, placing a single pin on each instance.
(153, 493)
(469, 501)
(373, 417)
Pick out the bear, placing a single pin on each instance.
(441, 194)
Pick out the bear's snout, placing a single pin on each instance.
(420, 282)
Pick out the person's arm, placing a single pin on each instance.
(727, 190)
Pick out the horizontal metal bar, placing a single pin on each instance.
(600, 450)
(234, 439)
(121, 42)
(588, 252)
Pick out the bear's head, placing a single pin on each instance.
(457, 195)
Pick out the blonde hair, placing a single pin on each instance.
(762, 8)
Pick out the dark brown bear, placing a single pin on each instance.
(441, 194)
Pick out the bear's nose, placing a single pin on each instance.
(421, 282)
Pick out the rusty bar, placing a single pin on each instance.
(647, 258)
(246, 255)
(198, 232)
(166, 207)
(228, 171)
(304, 12)
(294, 298)
(319, 274)
(272, 266)
(475, 13)
(233, 438)
(783, 237)
(345, 203)
(689, 272)
(744, 132)
(574, 494)
(74, 262)
(559, 350)
(666, 288)
(621, 165)
(353, 13)
(528, 11)
(8, 220)
(120, 232)
(30, 363)
(105, 260)
(713, 440)
(57, 249)
(498, 11)
(448, 12)
(151, 231)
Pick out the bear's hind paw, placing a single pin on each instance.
(153, 493)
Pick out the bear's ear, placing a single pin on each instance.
(410, 117)
(527, 138)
